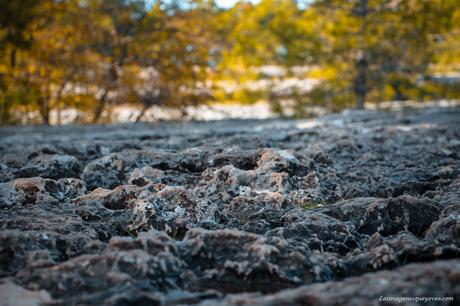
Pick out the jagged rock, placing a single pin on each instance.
(174, 210)
(106, 172)
(235, 261)
(53, 166)
(256, 212)
(321, 232)
(383, 287)
(121, 197)
(181, 214)
(146, 175)
(29, 191)
(150, 260)
(387, 217)
(283, 161)
(446, 230)
(115, 169)
(38, 248)
(241, 159)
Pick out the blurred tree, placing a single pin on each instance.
(57, 59)
(387, 44)
(16, 19)
(155, 57)
(270, 33)
(89, 54)
(177, 53)
(94, 55)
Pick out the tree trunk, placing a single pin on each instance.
(13, 57)
(58, 113)
(4, 112)
(360, 81)
(399, 95)
(45, 107)
(58, 104)
(113, 75)
(100, 107)
(44, 110)
(142, 113)
(46, 118)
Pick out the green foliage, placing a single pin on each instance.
(92, 55)
(395, 39)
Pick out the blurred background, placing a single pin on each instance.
(101, 61)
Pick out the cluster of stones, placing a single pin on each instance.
(358, 206)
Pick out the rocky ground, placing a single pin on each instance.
(337, 211)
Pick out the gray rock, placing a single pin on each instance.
(53, 166)
(369, 289)
(277, 212)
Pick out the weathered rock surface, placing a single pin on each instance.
(337, 211)
(381, 288)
